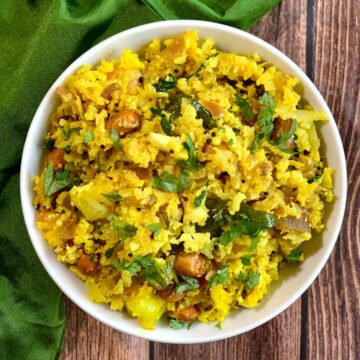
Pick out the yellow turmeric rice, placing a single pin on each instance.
(177, 181)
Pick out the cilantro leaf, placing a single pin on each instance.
(155, 229)
(294, 255)
(189, 283)
(67, 133)
(88, 137)
(122, 229)
(153, 272)
(115, 136)
(246, 260)
(135, 266)
(168, 182)
(250, 280)
(190, 324)
(247, 221)
(199, 199)
(244, 107)
(183, 183)
(53, 184)
(204, 114)
(113, 196)
(265, 118)
(176, 324)
(169, 82)
(220, 277)
(219, 325)
(230, 142)
(192, 163)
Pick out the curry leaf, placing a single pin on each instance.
(169, 82)
(244, 107)
(199, 199)
(192, 163)
(204, 114)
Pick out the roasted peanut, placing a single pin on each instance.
(86, 266)
(168, 294)
(281, 127)
(216, 110)
(190, 264)
(187, 314)
(124, 121)
(56, 156)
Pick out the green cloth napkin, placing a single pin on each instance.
(38, 40)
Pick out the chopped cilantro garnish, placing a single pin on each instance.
(113, 196)
(199, 199)
(149, 268)
(230, 142)
(219, 325)
(247, 221)
(53, 184)
(192, 163)
(294, 255)
(244, 107)
(190, 324)
(250, 280)
(220, 277)
(122, 229)
(189, 283)
(168, 182)
(67, 133)
(265, 118)
(155, 229)
(169, 82)
(115, 136)
(88, 137)
(246, 260)
(176, 324)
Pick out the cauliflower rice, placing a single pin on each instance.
(177, 181)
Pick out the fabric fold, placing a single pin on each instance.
(38, 40)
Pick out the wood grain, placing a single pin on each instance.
(87, 338)
(332, 319)
(323, 38)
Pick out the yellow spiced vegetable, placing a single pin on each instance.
(179, 180)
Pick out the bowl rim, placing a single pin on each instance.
(305, 80)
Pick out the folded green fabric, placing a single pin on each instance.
(38, 40)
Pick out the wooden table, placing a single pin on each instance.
(322, 37)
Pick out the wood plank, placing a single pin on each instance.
(88, 339)
(285, 28)
(333, 301)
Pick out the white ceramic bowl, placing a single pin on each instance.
(291, 285)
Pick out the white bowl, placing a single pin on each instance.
(291, 285)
